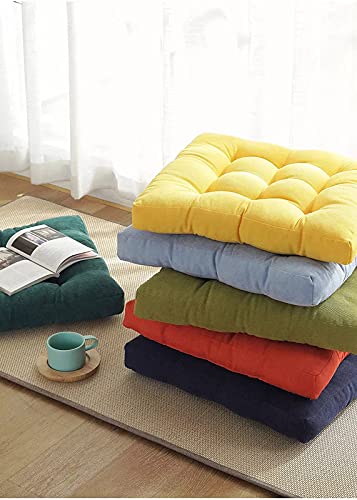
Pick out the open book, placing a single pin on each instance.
(36, 254)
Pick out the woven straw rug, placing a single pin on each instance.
(326, 467)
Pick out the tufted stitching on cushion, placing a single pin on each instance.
(273, 181)
(241, 218)
(300, 187)
(187, 152)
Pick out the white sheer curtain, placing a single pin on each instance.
(115, 88)
(13, 133)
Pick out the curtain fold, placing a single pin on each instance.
(103, 93)
(13, 130)
(116, 89)
(45, 52)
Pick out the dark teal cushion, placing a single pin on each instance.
(83, 291)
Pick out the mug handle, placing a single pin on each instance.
(93, 344)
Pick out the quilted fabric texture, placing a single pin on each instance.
(180, 299)
(292, 279)
(287, 413)
(83, 291)
(297, 368)
(235, 190)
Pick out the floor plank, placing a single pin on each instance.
(85, 205)
(48, 194)
(30, 425)
(147, 470)
(10, 490)
(75, 459)
(12, 188)
(48, 449)
(114, 215)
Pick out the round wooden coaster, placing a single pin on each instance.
(91, 366)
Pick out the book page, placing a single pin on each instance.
(47, 247)
(16, 272)
(77, 258)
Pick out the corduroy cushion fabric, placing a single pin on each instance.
(83, 291)
(177, 298)
(292, 279)
(273, 198)
(297, 368)
(287, 413)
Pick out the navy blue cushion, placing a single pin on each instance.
(287, 413)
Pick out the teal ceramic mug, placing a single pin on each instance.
(67, 350)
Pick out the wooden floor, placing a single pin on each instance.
(50, 450)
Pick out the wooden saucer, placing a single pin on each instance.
(90, 367)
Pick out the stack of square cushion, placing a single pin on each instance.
(255, 305)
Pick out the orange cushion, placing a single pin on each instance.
(297, 368)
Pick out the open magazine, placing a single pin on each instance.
(36, 254)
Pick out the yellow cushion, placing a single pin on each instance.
(271, 197)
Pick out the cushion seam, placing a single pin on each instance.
(246, 218)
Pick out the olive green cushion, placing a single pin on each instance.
(177, 298)
(83, 291)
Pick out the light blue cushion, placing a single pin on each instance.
(292, 279)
